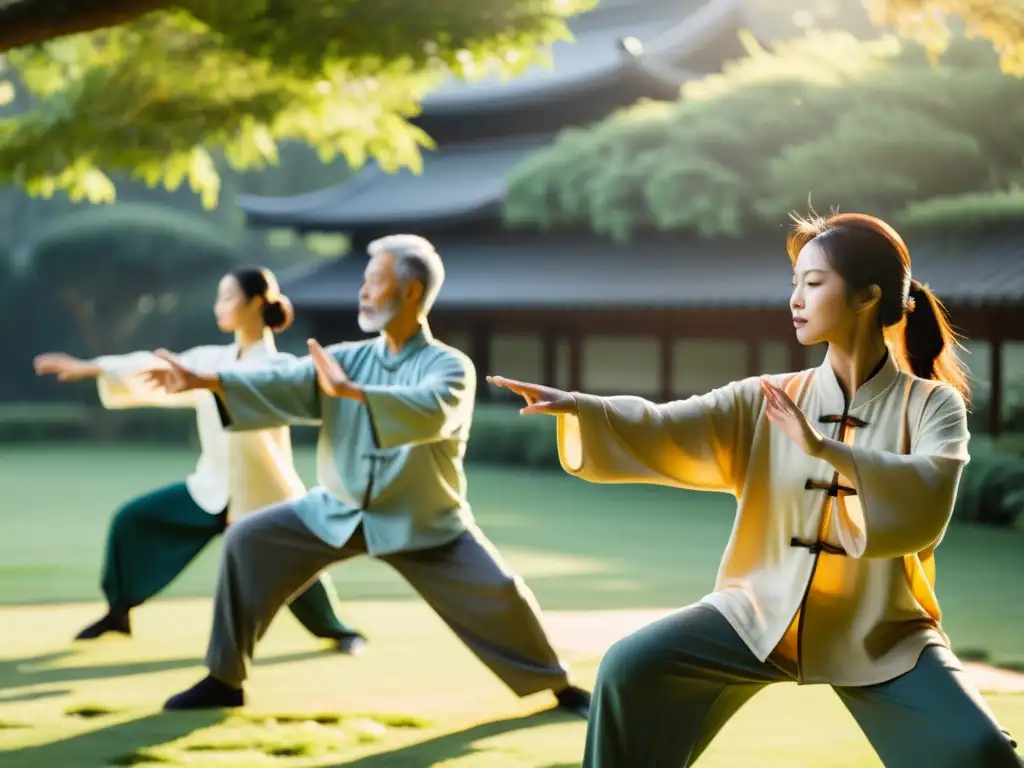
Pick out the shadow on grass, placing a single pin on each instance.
(111, 745)
(40, 670)
(451, 746)
(139, 741)
(49, 693)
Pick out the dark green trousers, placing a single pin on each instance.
(155, 536)
(665, 691)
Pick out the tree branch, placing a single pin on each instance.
(26, 22)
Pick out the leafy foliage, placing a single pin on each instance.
(979, 209)
(155, 96)
(928, 22)
(865, 125)
(111, 267)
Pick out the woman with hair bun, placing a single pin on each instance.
(155, 536)
(845, 477)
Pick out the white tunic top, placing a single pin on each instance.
(240, 471)
(855, 618)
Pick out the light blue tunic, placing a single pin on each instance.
(395, 464)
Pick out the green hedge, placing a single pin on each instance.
(69, 421)
(992, 487)
(991, 490)
(27, 422)
(499, 436)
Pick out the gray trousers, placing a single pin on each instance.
(270, 556)
(664, 692)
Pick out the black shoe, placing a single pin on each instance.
(575, 700)
(112, 622)
(351, 643)
(208, 693)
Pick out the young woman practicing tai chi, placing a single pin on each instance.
(845, 477)
(155, 536)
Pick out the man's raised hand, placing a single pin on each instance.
(329, 374)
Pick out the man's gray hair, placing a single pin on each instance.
(415, 259)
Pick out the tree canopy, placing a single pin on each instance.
(110, 267)
(155, 88)
(860, 125)
(929, 22)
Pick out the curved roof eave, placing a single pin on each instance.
(688, 37)
(460, 182)
(284, 207)
(593, 58)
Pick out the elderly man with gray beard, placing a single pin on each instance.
(394, 415)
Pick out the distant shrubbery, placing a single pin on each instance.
(992, 487)
(991, 491)
(499, 436)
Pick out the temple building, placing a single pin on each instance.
(663, 317)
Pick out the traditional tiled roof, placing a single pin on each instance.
(465, 180)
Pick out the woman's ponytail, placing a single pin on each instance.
(930, 343)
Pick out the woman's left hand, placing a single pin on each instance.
(784, 414)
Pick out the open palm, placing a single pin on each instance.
(538, 399)
(787, 416)
(329, 374)
(64, 367)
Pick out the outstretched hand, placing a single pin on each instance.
(538, 399)
(787, 416)
(175, 377)
(64, 367)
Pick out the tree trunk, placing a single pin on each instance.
(83, 310)
(25, 22)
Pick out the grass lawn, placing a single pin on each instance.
(601, 560)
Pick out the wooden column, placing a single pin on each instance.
(665, 366)
(575, 361)
(548, 366)
(480, 352)
(753, 363)
(995, 376)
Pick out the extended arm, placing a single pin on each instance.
(702, 442)
(121, 385)
(282, 393)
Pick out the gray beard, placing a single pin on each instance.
(376, 321)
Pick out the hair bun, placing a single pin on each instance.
(278, 314)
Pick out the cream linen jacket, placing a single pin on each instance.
(239, 471)
(834, 573)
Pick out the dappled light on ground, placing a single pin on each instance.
(417, 698)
